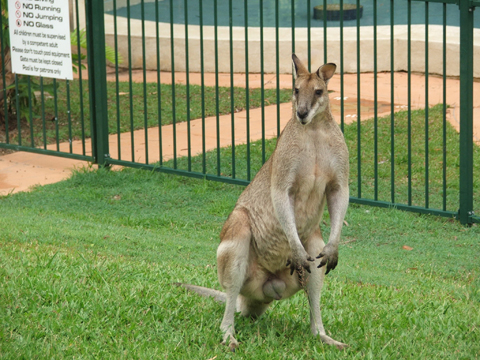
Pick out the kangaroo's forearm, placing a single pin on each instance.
(284, 211)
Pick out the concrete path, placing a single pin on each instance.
(21, 170)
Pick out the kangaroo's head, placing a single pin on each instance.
(310, 94)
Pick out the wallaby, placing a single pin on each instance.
(273, 231)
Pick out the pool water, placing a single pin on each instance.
(237, 9)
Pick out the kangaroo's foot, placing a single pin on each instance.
(329, 341)
(229, 339)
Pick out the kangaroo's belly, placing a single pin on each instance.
(308, 195)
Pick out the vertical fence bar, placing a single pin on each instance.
(359, 129)
(232, 93)
(202, 86)
(69, 118)
(172, 66)
(30, 111)
(144, 62)
(44, 128)
(262, 62)
(217, 112)
(187, 78)
(4, 90)
(392, 104)
(247, 88)
(98, 80)
(444, 112)
(55, 102)
(325, 55)
(117, 84)
(292, 9)
(309, 34)
(159, 86)
(80, 74)
(342, 87)
(409, 102)
(277, 64)
(375, 102)
(466, 113)
(427, 198)
(130, 85)
(17, 104)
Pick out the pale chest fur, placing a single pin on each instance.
(316, 165)
(320, 162)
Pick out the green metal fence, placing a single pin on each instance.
(209, 124)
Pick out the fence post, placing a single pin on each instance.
(97, 78)
(465, 213)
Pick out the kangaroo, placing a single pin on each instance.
(273, 231)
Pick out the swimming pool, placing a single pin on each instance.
(301, 13)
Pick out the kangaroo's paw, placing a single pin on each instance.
(329, 341)
(300, 260)
(329, 256)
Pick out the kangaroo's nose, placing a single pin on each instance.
(302, 114)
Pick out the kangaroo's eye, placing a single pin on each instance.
(296, 91)
(319, 92)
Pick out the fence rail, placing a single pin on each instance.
(202, 89)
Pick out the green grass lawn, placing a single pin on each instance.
(87, 267)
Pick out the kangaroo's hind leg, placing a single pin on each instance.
(314, 288)
(232, 265)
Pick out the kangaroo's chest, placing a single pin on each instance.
(317, 169)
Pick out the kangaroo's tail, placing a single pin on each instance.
(206, 292)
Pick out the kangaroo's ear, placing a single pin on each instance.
(298, 68)
(325, 72)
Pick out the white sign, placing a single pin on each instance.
(40, 38)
